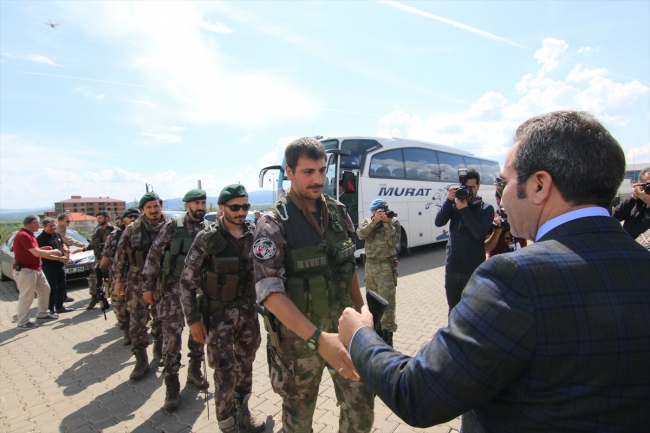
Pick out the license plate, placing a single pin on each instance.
(74, 270)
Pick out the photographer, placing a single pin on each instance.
(634, 210)
(382, 234)
(469, 222)
(499, 239)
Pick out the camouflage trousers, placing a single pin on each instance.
(233, 340)
(296, 375)
(92, 284)
(171, 316)
(140, 313)
(119, 308)
(381, 278)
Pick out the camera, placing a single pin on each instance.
(463, 192)
(389, 213)
(505, 225)
(646, 187)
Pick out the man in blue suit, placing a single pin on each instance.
(554, 337)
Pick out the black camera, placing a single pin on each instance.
(646, 187)
(389, 213)
(463, 192)
(505, 225)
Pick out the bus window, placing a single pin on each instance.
(476, 165)
(490, 171)
(421, 164)
(387, 163)
(449, 165)
(331, 182)
(357, 147)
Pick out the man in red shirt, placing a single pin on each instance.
(28, 274)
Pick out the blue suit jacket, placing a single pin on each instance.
(554, 337)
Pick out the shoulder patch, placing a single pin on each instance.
(263, 248)
(192, 256)
(156, 242)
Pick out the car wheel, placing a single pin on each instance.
(3, 277)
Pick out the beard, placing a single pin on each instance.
(198, 215)
(233, 219)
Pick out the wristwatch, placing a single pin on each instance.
(312, 342)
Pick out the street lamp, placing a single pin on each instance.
(274, 187)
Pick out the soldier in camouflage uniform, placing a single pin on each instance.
(127, 268)
(219, 262)
(382, 236)
(118, 302)
(306, 275)
(161, 274)
(97, 243)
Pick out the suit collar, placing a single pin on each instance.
(569, 216)
(592, 224)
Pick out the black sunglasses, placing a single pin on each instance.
(237, 207)
(500, 184)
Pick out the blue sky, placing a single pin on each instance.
(126, 93)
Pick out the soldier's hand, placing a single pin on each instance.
(379, 213)
(198, 332)
(331, 349)
(119, 289)
(150, 297)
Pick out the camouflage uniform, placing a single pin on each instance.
(126, 272)
(118, 303)
(295, 370)
(98, 243)
(381, 274)
(234, 330)
(169, 306)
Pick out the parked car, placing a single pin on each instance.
(173, 213)
(81, 264)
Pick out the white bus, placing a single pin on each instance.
(412, 176)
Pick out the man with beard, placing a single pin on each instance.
(306, 275)
(161, 274)
(222, 255)
(129, 260)
(471, 220)
(108, 256)
(54, 270)
(97, 243)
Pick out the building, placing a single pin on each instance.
(90, 205)
(82, 223)
(632, 172)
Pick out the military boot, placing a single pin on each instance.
(172, 396)
(157, 354)
(127, 337)
(141, 364)
(194, 375)
(93, 301)
(228, 425)
(245, 420)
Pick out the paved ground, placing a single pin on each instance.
(71, 375)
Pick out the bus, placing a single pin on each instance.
(412, 176)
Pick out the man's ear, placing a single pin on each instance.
(289, 172)
(539, 187)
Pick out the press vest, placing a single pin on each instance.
(228, 278)
(319, 271)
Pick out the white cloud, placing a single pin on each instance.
(42, 59)
(100, 96)
(551, 54)
(453, 23)
(276, 155)
(587, 50)
(142, 102)
(177, 128)
(578, 74)
(487, 127)
(215, 28)
(638, 155)
(11, 56)
(161, 138)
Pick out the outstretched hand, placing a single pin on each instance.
(350, 321)
(331, 349)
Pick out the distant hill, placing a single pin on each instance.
(255, 198)
(21, 213)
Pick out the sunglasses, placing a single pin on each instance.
(237, 207)
(500, 184)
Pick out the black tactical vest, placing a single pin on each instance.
(319, 271)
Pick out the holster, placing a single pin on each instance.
(269, 324)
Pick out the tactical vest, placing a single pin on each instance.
(140, 244)
(319, 271)
(174, 259)
(99, 238)
(229, 278)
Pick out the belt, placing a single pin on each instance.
(378, 261)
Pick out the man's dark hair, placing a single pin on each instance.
(30, 219)
(46, 221)
(473, 174)
(586, 163)
(61, 216)
(643, 173)
(306, 146)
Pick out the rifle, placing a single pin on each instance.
(101, 292)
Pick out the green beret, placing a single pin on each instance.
(102, 213)
(130, 211)
(232, 191)
(194, 194)
(150, 196)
